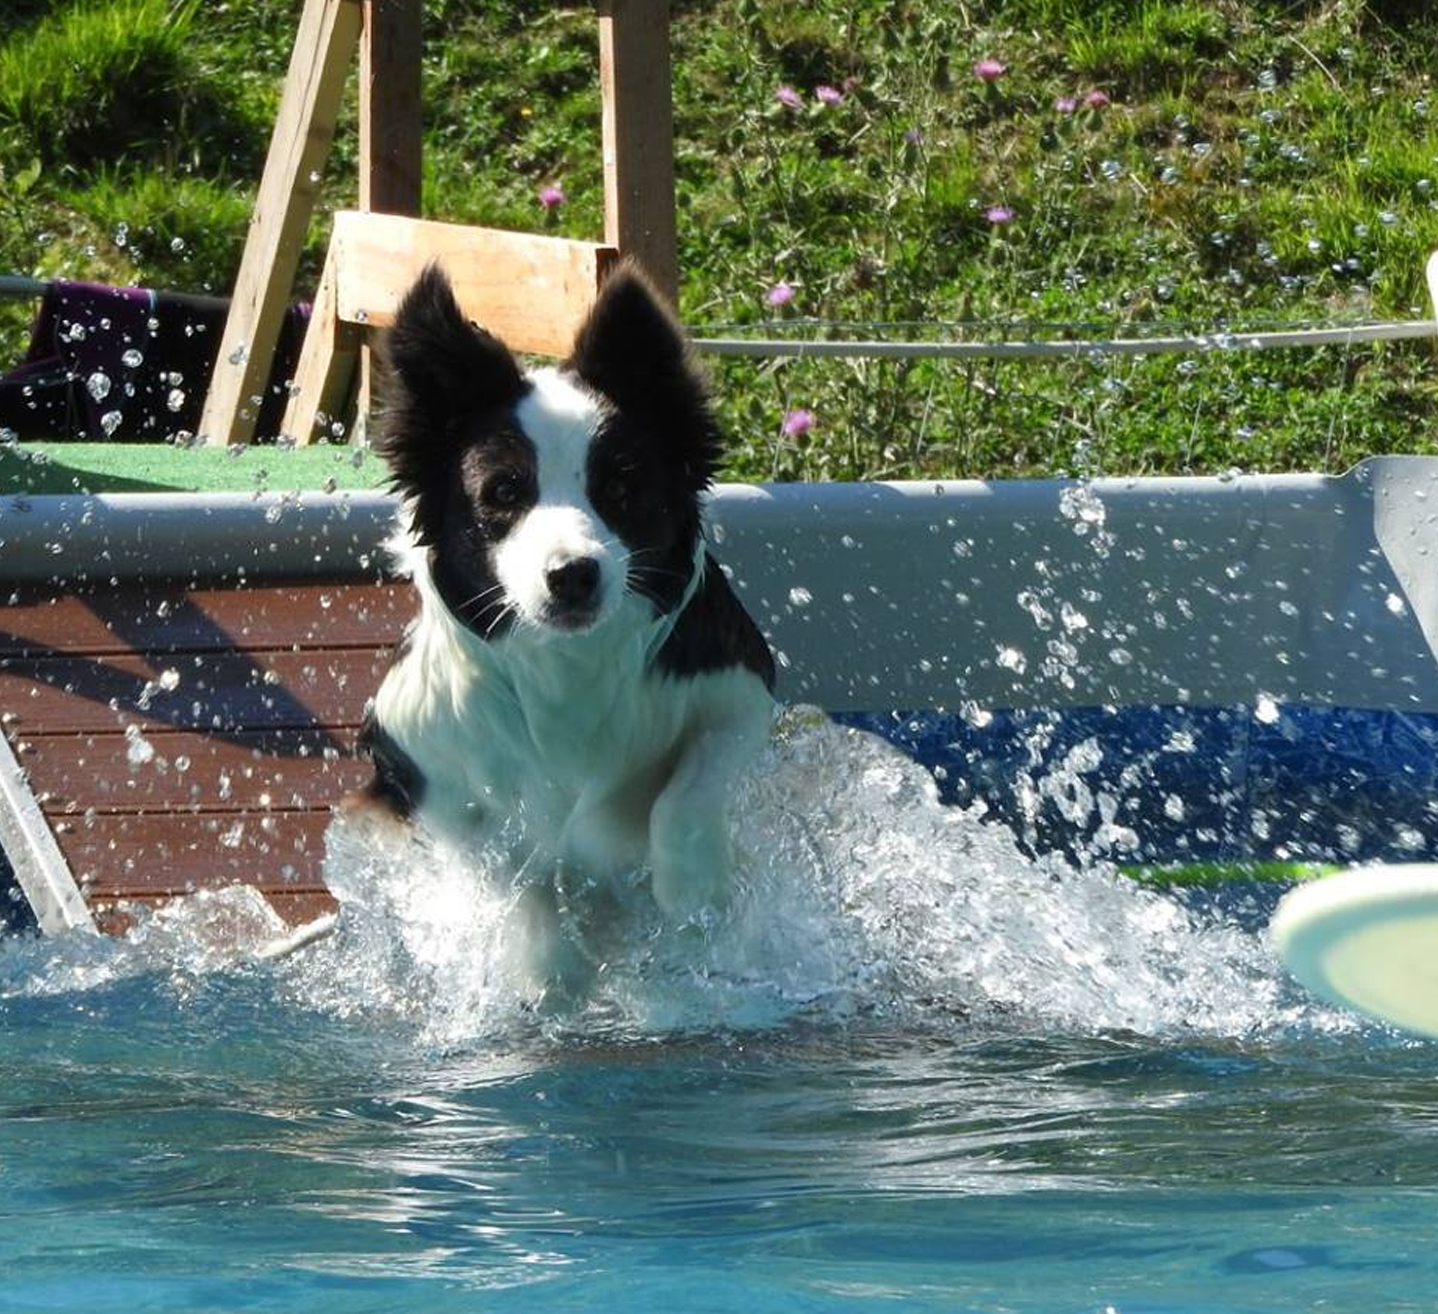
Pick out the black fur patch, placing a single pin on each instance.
(715, 632)
(448, 382)
(398, 782)
(632, 351)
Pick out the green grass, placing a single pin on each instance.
(1259, 163)
(96, 78)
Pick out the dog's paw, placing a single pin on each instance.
(690, 870)
(558, 972)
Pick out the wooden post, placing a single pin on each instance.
(638, 136)
(390, 118)
(304, 130)
(324, 373)
(390, 130)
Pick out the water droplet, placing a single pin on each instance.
(1265, 709)
(110, 421)
(239, 355)
(132, 359)
(98, 385)
(175, 399)
(1268, 79)
(800, 597)
(1387, 218)
(1395, 604)
(1011, 659)
(138, 749)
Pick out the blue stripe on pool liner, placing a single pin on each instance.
(1183, 784)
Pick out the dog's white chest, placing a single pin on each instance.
(559, 742)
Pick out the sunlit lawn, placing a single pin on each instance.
(934, 167)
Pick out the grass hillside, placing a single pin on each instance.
(921, 167)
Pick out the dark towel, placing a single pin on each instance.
(126, 364)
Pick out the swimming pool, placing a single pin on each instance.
(918, 1068)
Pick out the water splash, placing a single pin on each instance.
(860, 894)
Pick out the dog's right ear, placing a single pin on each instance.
(441, 368)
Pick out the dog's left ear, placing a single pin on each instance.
(632, 350)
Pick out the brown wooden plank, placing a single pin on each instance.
(325, 373)
(116, 916)
(390, 111)
(304, 128)
(221, 693)
(534, 292)
(168, 617)
(70, 774)
(167, 854)
(638, 136)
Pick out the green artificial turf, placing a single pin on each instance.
(139, 468)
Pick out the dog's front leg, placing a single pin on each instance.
(689, 854)
(555, 964)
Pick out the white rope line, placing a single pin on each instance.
(1222, 341)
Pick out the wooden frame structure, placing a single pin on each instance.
(637, 132)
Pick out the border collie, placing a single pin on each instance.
(581, 683)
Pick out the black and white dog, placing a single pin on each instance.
(581, 682)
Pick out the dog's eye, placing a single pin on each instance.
(504, 492)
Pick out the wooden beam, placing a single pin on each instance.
(638, 136)
(531, 291)
(325, 371)
(390, 128)
(390, 113)
(304, 130)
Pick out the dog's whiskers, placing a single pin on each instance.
(483, 593)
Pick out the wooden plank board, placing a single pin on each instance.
(638, 136)
(390, 109)
(534, 292)
(171, 618)
(325, 371)
(304, 129)
(73, 774)
(170, 854)
(221, 693)
(115, 916)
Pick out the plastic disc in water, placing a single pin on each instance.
(1367, 939)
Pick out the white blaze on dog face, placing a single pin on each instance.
(560, 564)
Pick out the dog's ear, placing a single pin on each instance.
(440, 367)
(632, 350)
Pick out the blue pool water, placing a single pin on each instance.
(915, 1069)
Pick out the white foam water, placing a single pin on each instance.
(858, 892)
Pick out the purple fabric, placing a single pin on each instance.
(126, 364)
(91, 328)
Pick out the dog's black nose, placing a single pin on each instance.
(575, 582)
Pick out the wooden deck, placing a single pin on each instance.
(181, 737)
